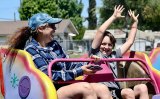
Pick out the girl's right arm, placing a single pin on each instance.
(99, 34)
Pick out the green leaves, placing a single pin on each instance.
(148, 11)
(56, 8)
(92, 18)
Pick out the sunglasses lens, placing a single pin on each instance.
(52, 26)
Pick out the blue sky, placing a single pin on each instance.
(9, 9)
(85, 9)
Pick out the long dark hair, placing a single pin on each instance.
(19, 38)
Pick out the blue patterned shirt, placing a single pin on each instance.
(42, 56)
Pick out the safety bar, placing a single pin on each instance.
(147, 68)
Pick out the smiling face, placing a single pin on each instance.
(49, 32)
(46, 33)
(107, 44)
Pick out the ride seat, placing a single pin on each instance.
(22, 79)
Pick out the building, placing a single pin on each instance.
(144, 40)
(65, 31)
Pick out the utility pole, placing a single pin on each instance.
(14, 16)
(20, 2)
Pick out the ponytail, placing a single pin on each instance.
(18, 40)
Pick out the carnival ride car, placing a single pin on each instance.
(20, 79)
(155, 61)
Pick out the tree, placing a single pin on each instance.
(148, 11)
(28, 8)
(107, 10)
(151, 15)
(92, 19)
(67, 9)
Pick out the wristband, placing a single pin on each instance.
(133, 27)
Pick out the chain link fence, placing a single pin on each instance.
(75, 47)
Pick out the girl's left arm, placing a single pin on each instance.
(131, 38)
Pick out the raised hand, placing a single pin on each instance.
(132, 15)
(118, 11)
